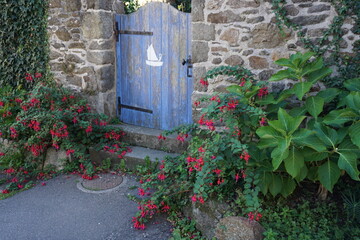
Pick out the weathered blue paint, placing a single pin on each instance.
(165, 90)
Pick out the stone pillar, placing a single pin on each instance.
(82, 49)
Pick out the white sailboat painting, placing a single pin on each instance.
(153, 60)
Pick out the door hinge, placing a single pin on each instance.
(120, 106)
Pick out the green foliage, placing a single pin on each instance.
(23, 40)
(306, 221)
(131, 6)
(183, 5)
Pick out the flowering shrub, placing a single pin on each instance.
(52, 117)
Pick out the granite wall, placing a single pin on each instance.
(243, 32)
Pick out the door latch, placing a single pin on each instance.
(188, 61)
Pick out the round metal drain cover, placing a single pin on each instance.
(104, 183)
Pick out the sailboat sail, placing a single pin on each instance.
(153, 60)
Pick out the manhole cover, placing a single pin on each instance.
(105, 182)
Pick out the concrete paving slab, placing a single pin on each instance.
(60, 211)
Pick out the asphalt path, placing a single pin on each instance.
(60, 211)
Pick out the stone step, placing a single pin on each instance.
(148, 138)
(133, 159)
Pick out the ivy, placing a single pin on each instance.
(23, 40)
(348, 67)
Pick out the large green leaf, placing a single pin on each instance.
(301, 89)
(280, 152)
(348, 161)
(288, 186)
(319, 74)
(328, 94)
(352, 84)
(313, 66)
(269, 137)
(282, 74)
(311, 155)
(298, 111)
(304, 58)
(327, 135)
(285, 94)
(303, 173)
(329, 174)
(285, 63)
(314, 105)
(337, 118)
(275, 185)
(353, 101)
(294, 162)
(354, 132)
(234, 89)
(265, 180)
(312, 174)
(286, 123)
(306, 137)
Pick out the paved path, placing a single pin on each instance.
(60, 211)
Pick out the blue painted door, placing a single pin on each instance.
(154, 84)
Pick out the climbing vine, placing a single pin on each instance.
(23, 40)
(348, 67)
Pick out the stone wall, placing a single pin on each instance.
(82, 48)
(243, 32)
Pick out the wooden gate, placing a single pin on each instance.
(154, 83)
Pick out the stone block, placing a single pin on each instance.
(106, 77)
(319, 8)
(227, 16)
(234, 60)
(54, 55)
(72, 23)
(100, 4)
(56, 158)
(74, 80)
(231, 36)
(72, 58)
(197, 10)
(101, 57)
(251, 11)
(200, 51)
(291, 10)
(63, 34)
(102, 45)
(309, 20)
(301, 1)
(267, 35)
(77, 45)
(247, 52)
(202, 31)
(255, 19)
(214, 4)
(219, 49)
(72, 5)
(243, 4)
(216, 61)
(265, 75)
(55, 3)
(258, 62)
(238, 228)
(97, 25)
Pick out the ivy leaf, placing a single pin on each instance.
(354, 132)
(314, 105)
(294, 162)
(329, 174)
(352, 84)
(301, 89)
(337, 118)
(275, 185)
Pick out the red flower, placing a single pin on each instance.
(263, 122)
(245, 156)
(70, 151)
(5, 191)
(43, 183)
(193, 198)
(201, 149)
(1, 104)
(201, 200)
(20, 186)
(28, 77)
(217, 171)
(2, 154)
(37, 75)
(161, 137)
(88, 129)
(204, 82)
(161, 176)
(197, 103)
(141, 192)
(263, 92)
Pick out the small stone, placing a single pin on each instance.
(220, 88)
(219, 49)
(200, 51)
(305, 5)
(73, 58)
(75, 30)
(57, 45)
(238, 228)
(63, 34)
(78, 45)
(309, 20)
(264, 53)
(247, 52)
(74, 80)
(53, 21)
(301, 1)
(216, 54)
(216, 61)
(227, 16)
(243, 4)
(56, 67)
(106, 75)
(319, 8)
(197, 10)
(343, 44)
(101, 45)
(72, 5)
(265, 75)
(291, 10)
(234, 60)
(231, 36)
(276, 55)
(244, 38)
(351, 37)
(319, 32)
(55, 55)
(277, 87)
(292, 46)
(55, 158)
(214, 4)
(251, 11)
(101, 57)
(255, 19)
(258, 62)
(100, 4)
(72, 23)
(202, 31)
